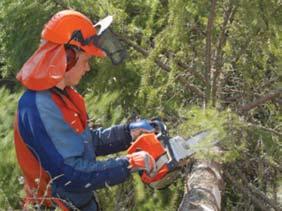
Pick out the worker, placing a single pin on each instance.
(55, 147)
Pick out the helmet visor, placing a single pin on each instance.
(111, 45)
(105, 40)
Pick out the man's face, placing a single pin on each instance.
(74, 75)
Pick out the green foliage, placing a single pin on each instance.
(109, 94)
(225, 127)
(10, 187)
(105, 108)
(171, 31)
(21, 24)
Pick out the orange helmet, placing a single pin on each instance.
(72, 27)
(46, 67)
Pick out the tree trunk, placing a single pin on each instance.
(204, 185)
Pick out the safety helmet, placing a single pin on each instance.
(68, 28)
(73, 28)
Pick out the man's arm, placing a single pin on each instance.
(119, 137)
(111, 140)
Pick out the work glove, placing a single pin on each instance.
(139, 127)
(142, 161)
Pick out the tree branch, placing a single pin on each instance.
(261, 100)
(269, 82)
(255, 190)
(186, 67)
(195, 89)
(266, 129)
(245, 46)
(196, 74)
(208, 48)
(245, 191)
(192, 87)
(61, 4)
(7, 80)
(228, 15)
(136, 47)
(162, 65)
(145, 53)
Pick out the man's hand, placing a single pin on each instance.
(142, 161)
(139, 127)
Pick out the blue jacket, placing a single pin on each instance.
(54, 127)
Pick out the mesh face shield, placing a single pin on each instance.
(112, 46)
(105, 39)
(108, 41)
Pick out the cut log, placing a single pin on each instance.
(204, 185)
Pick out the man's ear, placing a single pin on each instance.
(72, 58)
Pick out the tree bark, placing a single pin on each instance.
(203, 187)
(228, 16)
(208, 59)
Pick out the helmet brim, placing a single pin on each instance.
(100, 27)
(94, 51)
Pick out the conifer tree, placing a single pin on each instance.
(196, 64)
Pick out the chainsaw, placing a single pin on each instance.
(171, 154)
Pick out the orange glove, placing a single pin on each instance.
(142, 161)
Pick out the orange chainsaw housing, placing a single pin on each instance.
(148, 142)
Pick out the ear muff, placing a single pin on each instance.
(71, 58)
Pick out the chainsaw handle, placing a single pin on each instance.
(172, 161)
(159, 126)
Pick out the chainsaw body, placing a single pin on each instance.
(150, 143)
(170, 155)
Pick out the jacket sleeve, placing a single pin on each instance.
(111, 140)
(61, 151)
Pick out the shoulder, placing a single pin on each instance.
(32, 99)
(27, 99)
(37, 107)
(29, 96)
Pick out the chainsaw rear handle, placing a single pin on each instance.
(172, 164)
